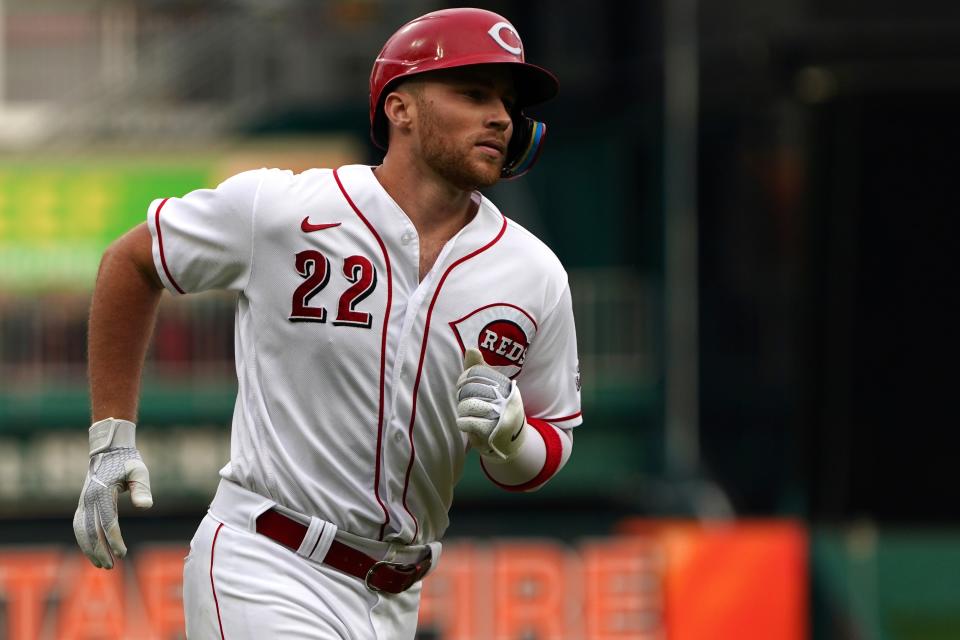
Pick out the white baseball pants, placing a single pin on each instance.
(238, 584)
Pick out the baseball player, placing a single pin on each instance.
(389, 319)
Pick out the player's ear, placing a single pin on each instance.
(400, 109)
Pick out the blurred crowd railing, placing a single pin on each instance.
(43, 340)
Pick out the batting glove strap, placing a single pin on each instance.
(111, 433)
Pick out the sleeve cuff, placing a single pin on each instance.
(542, 455)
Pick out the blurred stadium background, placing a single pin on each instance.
(756, 204)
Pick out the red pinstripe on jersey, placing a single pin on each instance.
(564, 418)
(163, 258)
(550, 465)
(423, 353)
(383, 353)
(497, 304)
(213, 587)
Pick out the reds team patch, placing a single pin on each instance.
(503, 333)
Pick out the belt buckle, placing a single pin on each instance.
(373, 569)
(397, 566)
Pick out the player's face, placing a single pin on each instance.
(465, 125)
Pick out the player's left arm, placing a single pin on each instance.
(522, 447)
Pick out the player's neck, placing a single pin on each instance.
(433, 205)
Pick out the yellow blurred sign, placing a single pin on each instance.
(56, 219)
(58, 214)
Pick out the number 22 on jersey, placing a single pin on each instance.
(314, 268)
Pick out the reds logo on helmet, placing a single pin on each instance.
(503, 333)
(504, 31)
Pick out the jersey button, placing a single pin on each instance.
(407, 237)
(398, 437)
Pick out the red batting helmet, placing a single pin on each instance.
(458, 38)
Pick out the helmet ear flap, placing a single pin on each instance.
(525, 146)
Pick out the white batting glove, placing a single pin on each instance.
(115, 466)
(489, 409)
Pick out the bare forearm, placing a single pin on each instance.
(122, 316)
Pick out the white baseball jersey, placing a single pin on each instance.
(347, 362)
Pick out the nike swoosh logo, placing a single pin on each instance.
(307, 227)
(517, 434)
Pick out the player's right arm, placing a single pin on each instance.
(195, 243)
(122, 315)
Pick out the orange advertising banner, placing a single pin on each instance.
(654, 580)
(743, 581)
